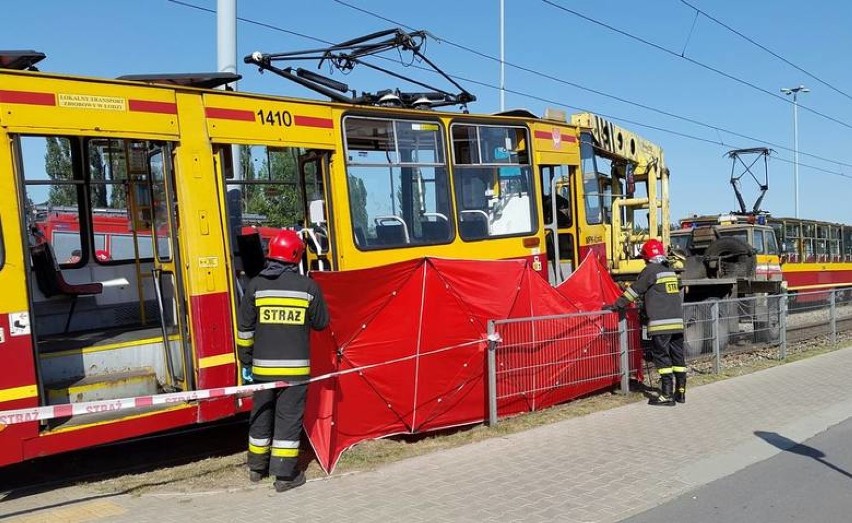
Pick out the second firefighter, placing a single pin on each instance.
(658, 287)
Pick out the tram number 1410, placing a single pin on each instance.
(277, 118)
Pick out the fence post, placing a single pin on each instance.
(492, 374)
(717, 356)
(833, 316)
(782, 319)
(624, 353)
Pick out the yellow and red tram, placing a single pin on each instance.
(131, 212)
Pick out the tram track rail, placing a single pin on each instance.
(814, 329)
(122, 458)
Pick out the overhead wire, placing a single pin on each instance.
(766, 49)
(645, 125)
(551, 101)
(695, 62)
(595, 91)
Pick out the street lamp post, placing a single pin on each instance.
(502, 56)
(795, 92)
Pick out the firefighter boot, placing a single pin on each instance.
(283, 484)
(257, 475)
(680, 387)
(665, 398)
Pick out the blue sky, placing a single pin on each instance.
(99, 38)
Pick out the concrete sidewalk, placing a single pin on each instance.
(601, 467)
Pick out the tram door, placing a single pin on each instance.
(19, 387)
(267, 189)
(313, 166)
(105, 288)
(157, 185)
(559, 210)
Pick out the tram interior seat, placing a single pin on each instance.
(473, 227)
(391, 234)
(51, 282)
(438, 230)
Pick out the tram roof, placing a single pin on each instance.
(200, 80)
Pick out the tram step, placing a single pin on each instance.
(141, 382)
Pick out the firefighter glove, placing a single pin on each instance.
(247, 375)
(612, 307)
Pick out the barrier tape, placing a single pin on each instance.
(13, 417)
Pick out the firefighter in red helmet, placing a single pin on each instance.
(277, 312)
(658, 287)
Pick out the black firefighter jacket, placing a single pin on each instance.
(276, 315)
(658, 286)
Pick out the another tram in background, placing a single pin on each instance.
(817, 255)
(809, 255)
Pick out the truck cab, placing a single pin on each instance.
(697, 234)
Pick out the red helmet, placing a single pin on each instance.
(652, 249)
(287, 247)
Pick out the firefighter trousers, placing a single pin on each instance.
(667, 351)
(275, 427)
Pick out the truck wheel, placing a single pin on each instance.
(723, 332)
(693, 330)
(767, 324)
(698, 327)
(729, 312)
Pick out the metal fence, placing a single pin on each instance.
(714, 328)
(537, 362)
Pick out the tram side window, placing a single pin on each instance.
(397, 182)
(122, 247)
(791, 242)
(557, 178)
(833, 249)
(83, 194)
(834, 242)
(821, 250)
(112, 207)
(266, 195)
(53, 180)
(493, 184)
(591, 182)
(808, 250)
(847, 243)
